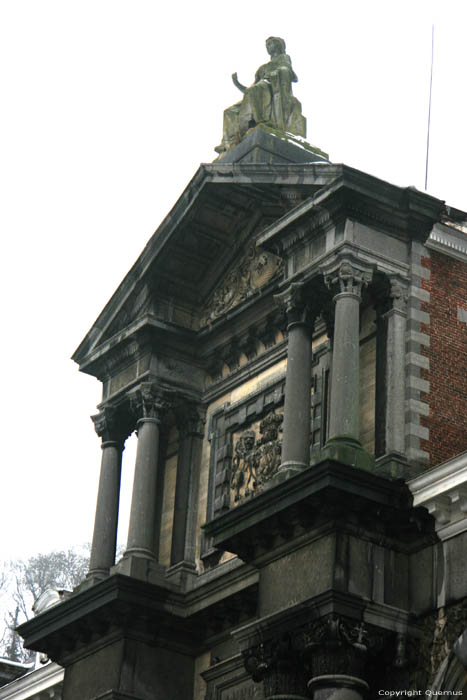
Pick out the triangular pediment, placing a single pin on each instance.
(206, 243)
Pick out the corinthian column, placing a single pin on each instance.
(105, 525)
(346, 277)
(148, 404)
(297, 403)
(347, 280)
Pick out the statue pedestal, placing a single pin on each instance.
(264, 144)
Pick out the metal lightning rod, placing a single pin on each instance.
(429, 105)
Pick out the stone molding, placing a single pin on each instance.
(443, 492)
(45, 681)
(450, 239)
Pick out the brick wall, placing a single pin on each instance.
(447, 353)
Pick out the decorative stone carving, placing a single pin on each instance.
(268, 101)
(255, 461)
(279, 665)
(398, 294)
(347, 278)
(295, 303)
(111, 426)
(105, 424)
(255, 269)
(148, 402)
(334, 645)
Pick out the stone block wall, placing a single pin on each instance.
(446, 355)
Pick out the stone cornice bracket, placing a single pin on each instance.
(296, 304)
(108, 426)
(346, 276)
(148, 402)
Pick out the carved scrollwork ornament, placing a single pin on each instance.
(107, 426)
(335, 645)
(296, 304)
(347, 278)
(148, 402)
(255, 269)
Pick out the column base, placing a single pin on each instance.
(347, 450)
(183, 574)
(92, 578)
(285, 471)
(395, 466)
(140, 567)
(337, 687)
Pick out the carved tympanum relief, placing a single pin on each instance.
(254, 270)
(257, 456)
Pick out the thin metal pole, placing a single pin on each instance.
(429, 106)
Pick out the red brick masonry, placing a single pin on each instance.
(447, 353)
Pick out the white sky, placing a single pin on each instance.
(107, 109)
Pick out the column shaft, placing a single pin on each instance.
(143, 511)
(395, 381)
(104, 539)
(297, 405)
(345, 376)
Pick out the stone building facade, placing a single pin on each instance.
(290, 348)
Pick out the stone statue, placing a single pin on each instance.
(268, 101)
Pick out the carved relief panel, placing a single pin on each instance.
(256, 457)
(254, 270)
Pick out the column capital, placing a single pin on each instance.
(295, 302)
(279, 665)
(398, 293)
(108, 426)
(191, 418)
(346, 275)
(149, 402)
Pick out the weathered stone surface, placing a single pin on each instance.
(269, 100)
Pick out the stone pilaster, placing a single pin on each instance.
(190, 419)
(395, 367)
(297, 403)
(104, 539)
(147, 403)
(346, 277)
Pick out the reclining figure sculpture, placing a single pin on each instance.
(268, 101)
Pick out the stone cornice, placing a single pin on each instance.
(405, 212)
(450, 240)
(254, 529)
(439, 479)
(97, 615)
(31, 685)
(443, 492)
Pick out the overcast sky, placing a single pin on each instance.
(107, 109)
